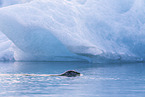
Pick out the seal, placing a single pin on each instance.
(71, 73)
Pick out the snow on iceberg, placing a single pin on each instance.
(75, 30)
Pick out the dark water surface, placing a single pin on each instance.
(98, 80)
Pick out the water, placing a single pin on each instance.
(98, 80)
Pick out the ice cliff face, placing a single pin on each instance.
(73, 30)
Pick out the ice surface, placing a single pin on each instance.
(4, 3)
(74, 30)
(6, 54)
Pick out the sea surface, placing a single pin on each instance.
(98, 80)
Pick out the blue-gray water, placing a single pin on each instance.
(98, 80)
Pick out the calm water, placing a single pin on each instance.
(98, 80)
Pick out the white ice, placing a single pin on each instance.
(74, 30)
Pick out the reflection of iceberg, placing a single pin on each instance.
(71, 30)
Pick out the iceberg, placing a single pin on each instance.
(6, 54)
(72, 30)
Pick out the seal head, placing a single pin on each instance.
(71, 73)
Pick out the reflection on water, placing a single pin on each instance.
(98, 80)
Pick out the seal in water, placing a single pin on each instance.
(71, 73)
